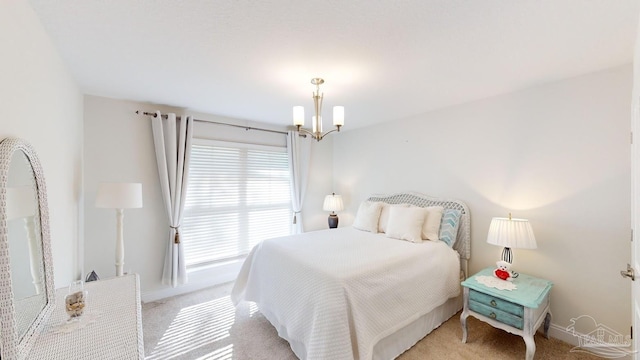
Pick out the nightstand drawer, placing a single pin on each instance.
(496, 303)
(496, 314)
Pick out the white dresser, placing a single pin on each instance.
(116, 333)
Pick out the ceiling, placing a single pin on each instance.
(382, 59)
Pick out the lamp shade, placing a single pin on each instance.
(338, 115)
(22, 202)
(119, 195)
(298, 115)
(333, 202)
(511, 233)
(317, 123)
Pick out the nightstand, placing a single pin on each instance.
(520, 311)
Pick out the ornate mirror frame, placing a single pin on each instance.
(11, 346)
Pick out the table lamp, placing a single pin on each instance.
(511, 233)
(333, 203)
(22, 203)
(119, 196)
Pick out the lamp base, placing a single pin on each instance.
(507, 256)
(333, 221)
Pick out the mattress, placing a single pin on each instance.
(335, 293)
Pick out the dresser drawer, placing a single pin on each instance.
(496, 303)
(496, 314)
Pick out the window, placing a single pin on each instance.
(238, 194)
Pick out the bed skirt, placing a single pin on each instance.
(402, 340)
(395, 344)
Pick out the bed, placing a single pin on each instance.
(357, 293)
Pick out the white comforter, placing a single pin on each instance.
(333, 294)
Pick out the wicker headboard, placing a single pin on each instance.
(463, 238)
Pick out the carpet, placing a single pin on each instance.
(205, 325)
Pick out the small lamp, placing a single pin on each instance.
(333, 203)
(511, 233)
(119, 196)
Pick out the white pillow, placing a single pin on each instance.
(367, 216)
(405, 223)
(384, 216)
(431, 226)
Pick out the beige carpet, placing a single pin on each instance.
(206, 325)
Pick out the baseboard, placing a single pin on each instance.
(198, 280)
(573, 338)
(561, 333)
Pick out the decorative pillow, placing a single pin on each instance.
(449, 226)
(405, 223)
(384, 216)
(368, 216)
(431, 226)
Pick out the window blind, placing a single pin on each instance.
(238, 194)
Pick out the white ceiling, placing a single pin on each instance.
(382, 59)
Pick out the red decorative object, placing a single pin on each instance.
(503, 271)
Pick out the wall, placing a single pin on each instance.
(42, 104)
(119, 147)
(556, 154)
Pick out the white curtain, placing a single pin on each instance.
(172, 139)
(299, 153)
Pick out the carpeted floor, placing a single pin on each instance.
(206, 325)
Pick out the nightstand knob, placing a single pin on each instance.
(492, 315)
(493, 303)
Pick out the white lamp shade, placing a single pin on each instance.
(338, 115)
(317, 125)
(333, 203)
(119, 195)
(298, 115)
(21, 202)
(511, 233)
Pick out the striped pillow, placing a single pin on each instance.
(449, 226)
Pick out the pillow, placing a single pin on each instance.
(384, 216)
(405, 223)
(431, 226)
(449, 226)
(367, 216)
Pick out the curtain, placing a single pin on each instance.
(172, 140)
(299, 152)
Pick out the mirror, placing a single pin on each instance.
(25, 243)
(26, 274)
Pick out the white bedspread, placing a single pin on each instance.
(333, 294)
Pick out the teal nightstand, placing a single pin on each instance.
(520, 311)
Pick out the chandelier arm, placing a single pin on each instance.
(329, 132)
(305, 131)
(316, 136)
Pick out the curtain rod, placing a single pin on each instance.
(164, 116)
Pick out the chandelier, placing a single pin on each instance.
(316, 120)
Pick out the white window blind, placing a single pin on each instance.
(238, 194)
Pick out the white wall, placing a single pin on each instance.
(42, 104)
(556, 154)
(119, 147)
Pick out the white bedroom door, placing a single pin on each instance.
(631, 271)
(635, 201)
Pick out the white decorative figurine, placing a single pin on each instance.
(503, 271)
